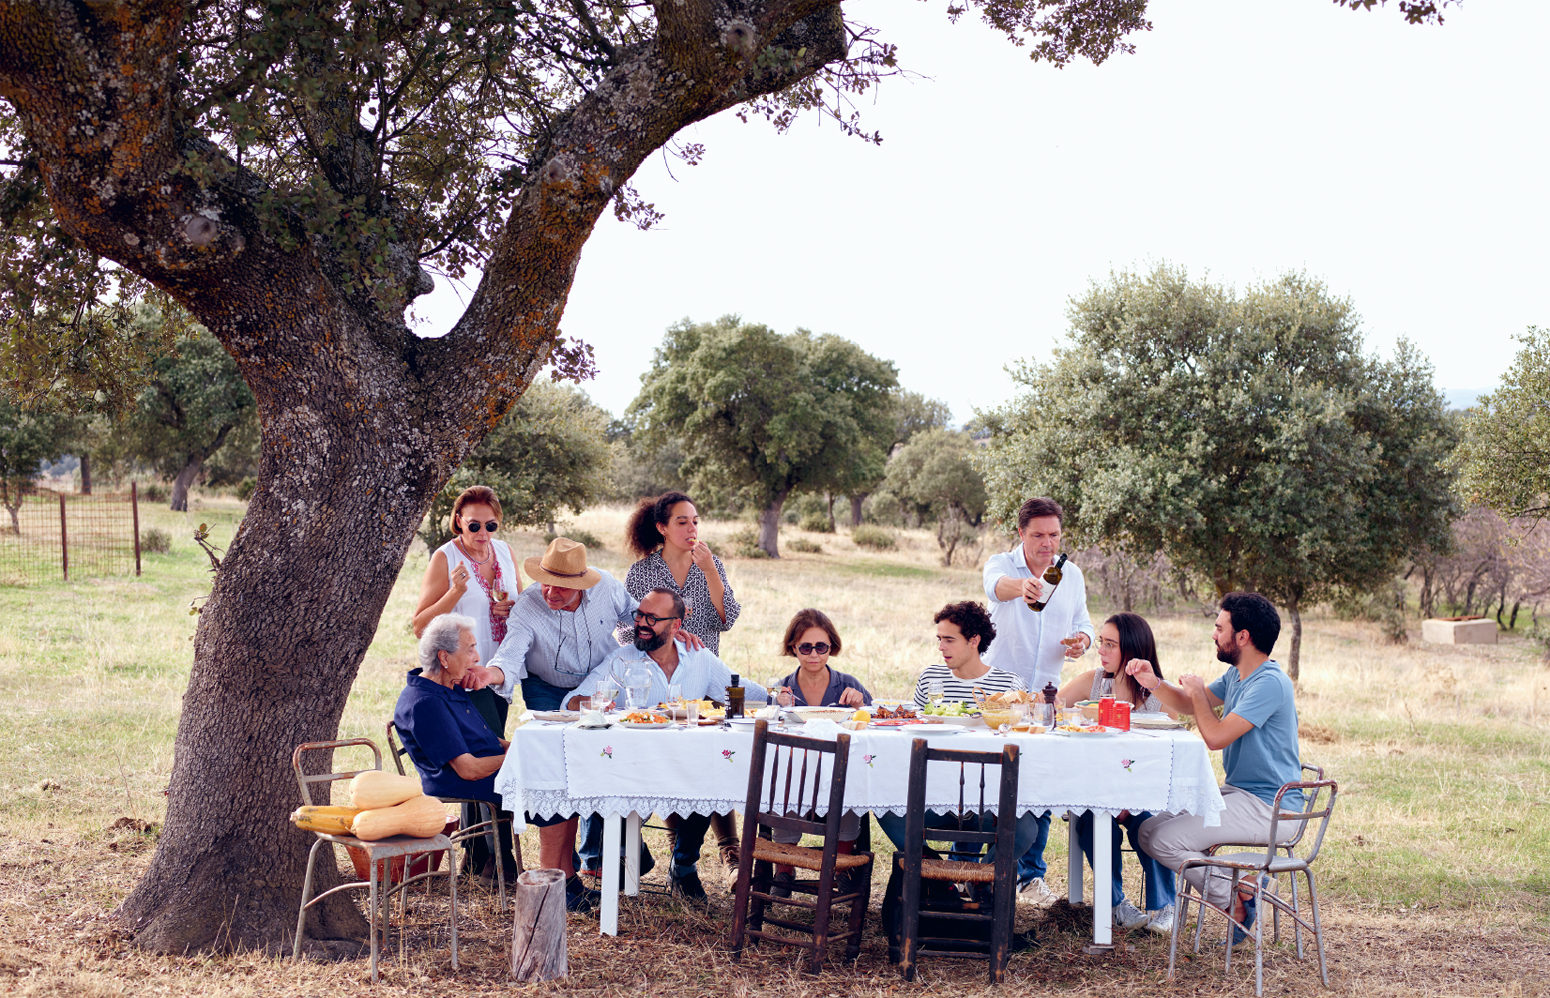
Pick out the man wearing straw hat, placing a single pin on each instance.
(557, 632)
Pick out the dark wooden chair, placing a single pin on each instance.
(968, 828)
(794, 781)
(489, 826)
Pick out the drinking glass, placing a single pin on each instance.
(675, 694)
(607, 693)
(934, 692)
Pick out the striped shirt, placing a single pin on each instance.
(962, 691)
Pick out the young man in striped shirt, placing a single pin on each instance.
(963, 632)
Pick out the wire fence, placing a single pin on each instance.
(61, 535)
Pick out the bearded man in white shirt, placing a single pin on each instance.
(1035, 645)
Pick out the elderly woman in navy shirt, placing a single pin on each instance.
(455, 751)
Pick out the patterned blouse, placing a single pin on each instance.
(651, 572)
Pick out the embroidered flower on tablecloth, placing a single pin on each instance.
(1127, 763)
(727, 754)
(868, 760)
(608, 750)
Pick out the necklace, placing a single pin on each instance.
(471, 558)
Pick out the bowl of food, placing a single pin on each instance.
(994, 717)
(835, 714)
(1089, 709)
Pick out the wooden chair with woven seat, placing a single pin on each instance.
(966, 829)
(795, 789)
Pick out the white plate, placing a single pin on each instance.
(1085, 734)
(929, 731)
(556, 715)
(646, 726)
(1154, 721)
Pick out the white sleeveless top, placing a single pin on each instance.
(476, 602)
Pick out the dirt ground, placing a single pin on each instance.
(56, 895)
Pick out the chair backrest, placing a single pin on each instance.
(795, 781)
(972, 808)
(1312, 790)
(1310, 802)
(396, 750)
(305, 781)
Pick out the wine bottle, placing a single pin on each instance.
(1052, 577)
(735, 695)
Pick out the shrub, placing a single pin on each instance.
(245, 488)
(745, 544)
(802, 545)
(1381, 607)
(155, 492)
(876, 538)
(586, 537)
(155, 541)
(817, 523)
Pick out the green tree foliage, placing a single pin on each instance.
(550, 453)
(1246, 437)
(934, 482)
(27, 439)
(195, 400)
(762, 413)
(1505, 455)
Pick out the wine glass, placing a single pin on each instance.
(607, 691)
(934, 692)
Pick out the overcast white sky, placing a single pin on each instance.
(1403, 165)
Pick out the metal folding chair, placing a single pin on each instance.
(377, 855)
(489, 827)
(1269, 862)
(797, 813)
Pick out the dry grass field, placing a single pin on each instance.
(1435, 875)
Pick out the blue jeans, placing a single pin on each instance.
(1032, 830)
(1160, 890)
(1030, 863)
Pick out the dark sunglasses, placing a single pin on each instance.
(474, 525)
(651, 621)
(821, 648)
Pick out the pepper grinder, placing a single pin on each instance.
(1049, 712)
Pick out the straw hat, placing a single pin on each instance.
(564, 564)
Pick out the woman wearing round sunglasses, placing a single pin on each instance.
(811, 639)
(466, 575)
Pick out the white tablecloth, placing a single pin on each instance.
(561, 769)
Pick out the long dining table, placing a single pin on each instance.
(559, 768)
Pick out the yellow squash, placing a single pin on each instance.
(332, 820)
(420, 817)
(374, 788)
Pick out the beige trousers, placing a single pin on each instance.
(1173, 838)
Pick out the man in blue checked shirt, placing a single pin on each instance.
(698, 673)
(1034, 646)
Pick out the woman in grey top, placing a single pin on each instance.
(663, 533)
(1123, 637)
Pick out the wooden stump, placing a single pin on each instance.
(538, 950)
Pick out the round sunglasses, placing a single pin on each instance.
(474, 526)
(821, 648)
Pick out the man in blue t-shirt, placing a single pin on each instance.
(1257, 734)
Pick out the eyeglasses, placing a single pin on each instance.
(820, 648)
(1107, 645)
(651, 620)
(473, 526)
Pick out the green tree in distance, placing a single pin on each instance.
(27, 439)
(761, 413)
(934, 479)
(1504, 458)
(1246, 437)
(195, 400)
(292, 174)
(549, 454)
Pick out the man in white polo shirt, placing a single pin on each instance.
(1035, 645)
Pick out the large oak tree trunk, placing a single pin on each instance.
(855, 510)
(769, 525)
(362, 421)
(1294, 656)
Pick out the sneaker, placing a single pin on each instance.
(1034, 892)
(1128, 916)
(780, 885)
(688, 885)
(1162, 920)
(579, 897)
